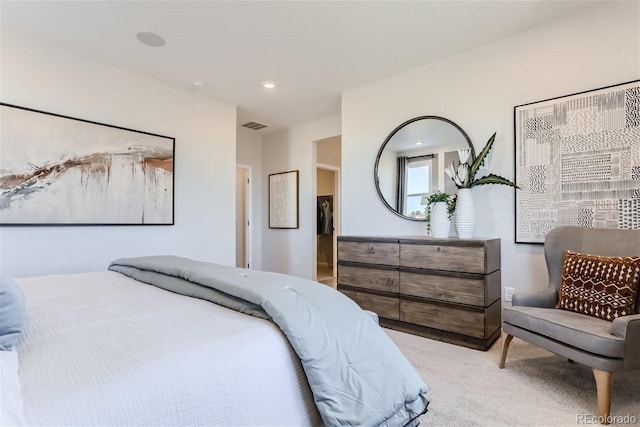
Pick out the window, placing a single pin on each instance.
(417, 183)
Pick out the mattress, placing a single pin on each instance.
(104, 349)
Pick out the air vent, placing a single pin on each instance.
(254, 125)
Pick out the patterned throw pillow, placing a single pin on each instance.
(600, 286)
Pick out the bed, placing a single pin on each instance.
(104, 348)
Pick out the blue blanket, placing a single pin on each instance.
(357, 375)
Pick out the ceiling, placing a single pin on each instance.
(312, 50)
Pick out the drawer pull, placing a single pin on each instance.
(371, 250)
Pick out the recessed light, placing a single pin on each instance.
(268, 85)
(419, 143)
(150, 39)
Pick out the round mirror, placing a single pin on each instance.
(410, 164)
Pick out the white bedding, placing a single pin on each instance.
(11, 413)
(103, 349)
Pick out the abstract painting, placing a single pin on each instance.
(283, 200)
(577, 162)
(59, 170)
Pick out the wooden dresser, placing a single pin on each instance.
(446, 289)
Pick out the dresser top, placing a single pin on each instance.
(418, 239)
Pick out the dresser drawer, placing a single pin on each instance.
(462, 290)
(387, 307)
(444, 317)
(468, 259)
(369, 252)
(369, 278)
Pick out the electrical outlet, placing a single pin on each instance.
(508, 293)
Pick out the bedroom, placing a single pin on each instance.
(478, 89)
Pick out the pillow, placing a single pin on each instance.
(11, 313)
(600, 286)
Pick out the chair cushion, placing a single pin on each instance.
(587, 333)
(600, 286)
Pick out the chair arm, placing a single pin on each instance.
(546, 298)
(627, 327)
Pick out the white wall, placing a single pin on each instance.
(41, 77)
(325, 182)
(478, 90)
(328, 151)
(249, 153)
(293, 251)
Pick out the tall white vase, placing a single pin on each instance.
(440, 222)
(465, 215)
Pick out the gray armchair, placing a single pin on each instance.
(605, 346)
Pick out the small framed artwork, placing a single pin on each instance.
(283, 200)
(577, 162)
(60, 170)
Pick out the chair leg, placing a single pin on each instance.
(506, 340)
(604, 386)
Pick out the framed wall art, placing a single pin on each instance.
(59, 170)
(577, 162)
(283, 200)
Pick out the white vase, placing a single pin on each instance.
(440, 222)
(465, 215)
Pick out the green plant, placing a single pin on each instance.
(436, 197)
(464, 174)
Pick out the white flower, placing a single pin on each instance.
(464, 154)
(451, 172)
(463, 171)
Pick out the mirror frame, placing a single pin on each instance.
(376, 178)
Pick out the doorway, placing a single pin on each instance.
(243, 216)
(327, 184)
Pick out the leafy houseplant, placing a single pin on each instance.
(464, 174)
(439, 197)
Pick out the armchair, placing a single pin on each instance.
(605, 346)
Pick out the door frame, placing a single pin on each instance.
(247, 214)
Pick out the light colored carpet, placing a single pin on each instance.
(536, 387)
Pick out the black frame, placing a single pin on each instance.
(163, 161)
(296, 182)
(515, 152)
(376, 178)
